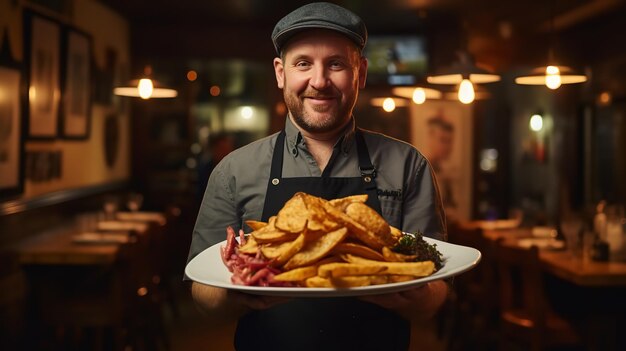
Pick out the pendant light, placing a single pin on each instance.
(145, 88)
(388, 104)
(417, 93)
(464, 73)
(551, 75)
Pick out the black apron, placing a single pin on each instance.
(326, 324)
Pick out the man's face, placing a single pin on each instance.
(440, 143)
(320, 74)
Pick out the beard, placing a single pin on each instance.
(320, 119)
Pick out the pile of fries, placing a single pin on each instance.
(339, 243)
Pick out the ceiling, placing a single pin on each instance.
(494, 31)
(389, 15)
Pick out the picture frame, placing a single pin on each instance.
(75, 113)
(442, 131)
(43, 62)
(12, 101)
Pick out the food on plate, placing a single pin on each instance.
(313, 242)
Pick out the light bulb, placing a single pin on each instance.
(247, 112)
(466, 91)
(145, 88)
(389, 105)
(419, 96)
(553, 77)
(536, 122)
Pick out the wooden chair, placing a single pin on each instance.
(474, 293)
(525, 313)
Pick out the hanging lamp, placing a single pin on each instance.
(145, 88)
(552, 75)
(417, 93)
(464, 73)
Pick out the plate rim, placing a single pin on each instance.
(338, 292)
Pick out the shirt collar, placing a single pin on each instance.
(294, 137)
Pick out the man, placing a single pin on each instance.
(440, 140)
(320, 70)
(440, 146)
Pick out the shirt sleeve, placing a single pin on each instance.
(423, 209)
(217, 212)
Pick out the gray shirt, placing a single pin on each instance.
(407, 188)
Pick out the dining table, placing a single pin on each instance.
(556, 259)
(591, 291)
(90, 278)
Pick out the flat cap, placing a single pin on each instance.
(320, 15)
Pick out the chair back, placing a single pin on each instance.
(522, 300)
(474, 293)
(483, 274)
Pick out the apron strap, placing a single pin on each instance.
(368, 172)
(276, 172)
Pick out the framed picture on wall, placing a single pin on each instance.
(442, 131)
(42, 47)
(77, 79)
(11, 133)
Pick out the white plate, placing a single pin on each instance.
(209, 269)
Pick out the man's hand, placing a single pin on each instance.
(418, 304)
(231, 304)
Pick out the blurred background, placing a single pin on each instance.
(75, 148)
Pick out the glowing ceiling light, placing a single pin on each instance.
(247, 112)
(536, 123)
(389, 105)
(466, 91)
(419, 96)
(145, 88)
(553, 77)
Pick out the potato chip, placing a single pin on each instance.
(256, 225)
(315, 211)
(297, 274)
(318, 282)
(415, 269)
(291, 250)
(292, 218)
(250, 247)
(357, 229)
(346, 281)
(370, 219)
(358, 250)
(343, 202)
(340, 269)
(392, 256)
(396, 234)
(269, 227)
(273, 236)
(310, 241)
(316, 249)
(273, 250)
(359, 280)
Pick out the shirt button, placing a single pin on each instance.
(275, 181)
(294, 151)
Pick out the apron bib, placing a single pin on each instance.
(324, 324)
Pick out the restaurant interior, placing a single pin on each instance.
(520, 107)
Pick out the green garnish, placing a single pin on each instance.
(414, 244)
